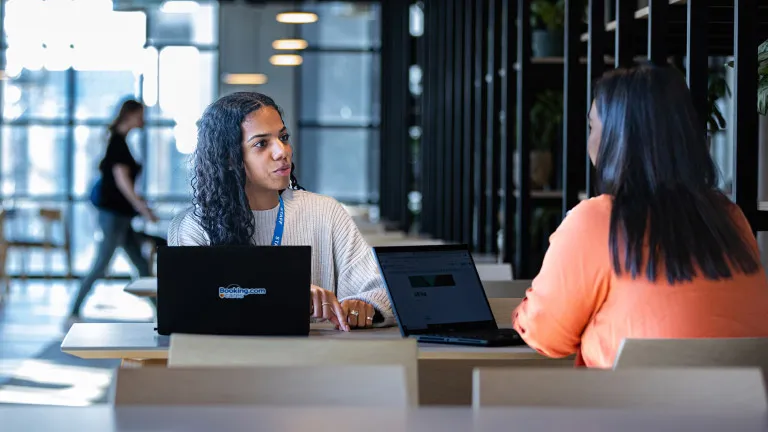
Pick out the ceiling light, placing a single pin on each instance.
(289, 44)
(296, 17)
(179, 7)
(245, 79)
(286, 60)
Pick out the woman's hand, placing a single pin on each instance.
(359, 313)
(323, 304)
(147, 212)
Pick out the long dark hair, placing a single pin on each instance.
(218, 180)
(653, 160)
(128, 107)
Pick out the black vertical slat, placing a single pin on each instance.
(482, 225)
(467, 190)
(430, 79)
(436, 143)
(507, 90)
(524, 99)
(595, 68)
(496, 114)
(492, 131)
(698, 61)
(745, 170)
(490, 162)
(625, 17)
(448, 204)
(425, 226)
(69, 212)
(658, 19)
(574, 107)
(458, 106)
(440, 146)
(407, 116)
(385, 173)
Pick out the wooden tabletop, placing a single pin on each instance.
(141, 341)
(106, 418)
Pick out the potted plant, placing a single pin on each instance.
(717, 89)
(546, 126)
(547, 23)
(546, 129)
(762, 78)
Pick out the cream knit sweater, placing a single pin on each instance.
(342, 261)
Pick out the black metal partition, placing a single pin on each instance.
(396, 171)
(481, 82)
(462, 120)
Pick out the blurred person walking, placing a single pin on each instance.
(117, 203)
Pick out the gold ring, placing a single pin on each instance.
(354, 312)
(326, 304)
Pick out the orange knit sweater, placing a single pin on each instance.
(578, 305)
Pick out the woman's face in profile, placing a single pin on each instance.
(595, 132)
(267, 151)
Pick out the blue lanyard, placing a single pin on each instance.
(277, 238)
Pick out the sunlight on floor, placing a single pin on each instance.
(83, 385)
(32, 368)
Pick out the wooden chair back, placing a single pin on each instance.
(239, 351)
(708, 389)
(372, 386)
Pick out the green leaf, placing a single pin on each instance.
(762, 95)
(763, 48)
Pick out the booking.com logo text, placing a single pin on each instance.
(238, 292)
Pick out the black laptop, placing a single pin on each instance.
(437, 296)
(234, 290)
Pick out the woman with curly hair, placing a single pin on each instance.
(244, 178)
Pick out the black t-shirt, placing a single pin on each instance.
(117, 153)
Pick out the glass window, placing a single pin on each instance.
(337, 162)
(183, 22)
(90, 145)
(343, 25)
(167, 167)
(99, 93)
(186, 83)
(34, 160)
(337, 88)
(35, 94)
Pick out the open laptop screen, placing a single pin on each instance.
(431, 288)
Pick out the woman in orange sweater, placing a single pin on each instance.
(661, 253)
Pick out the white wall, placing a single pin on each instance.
(245, 44)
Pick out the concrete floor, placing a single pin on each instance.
(33, 370)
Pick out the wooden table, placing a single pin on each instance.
(106, 418)
(445, 371)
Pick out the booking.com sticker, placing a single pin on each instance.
(238, 292)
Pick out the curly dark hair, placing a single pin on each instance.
(218, 180)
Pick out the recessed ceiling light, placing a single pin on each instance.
(296, 17)
(286, 60)
(179, 7)
(244, 79)
(289, 44)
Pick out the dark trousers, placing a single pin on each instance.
(117, 232)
